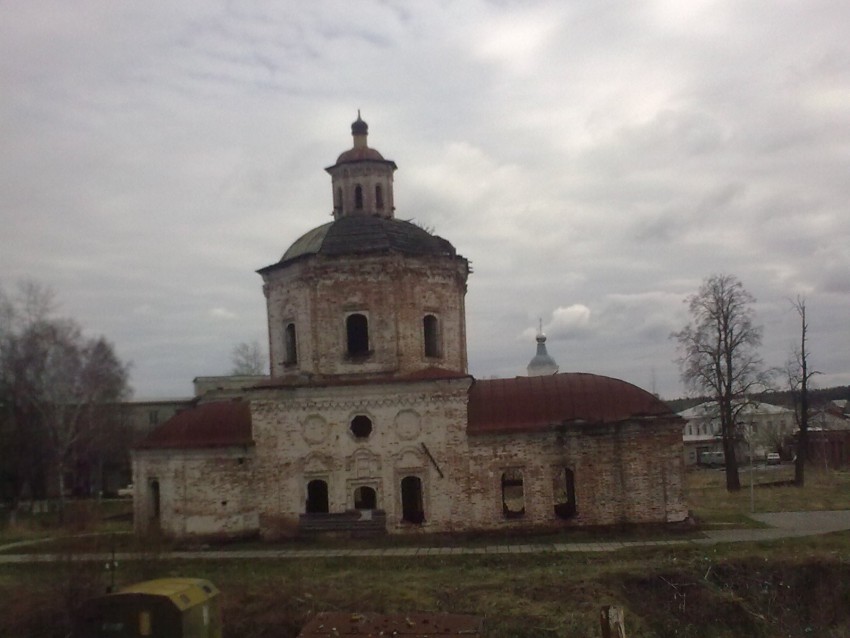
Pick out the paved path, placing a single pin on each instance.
(785, 525)
(781, 525)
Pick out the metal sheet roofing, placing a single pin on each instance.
(360, 234)
(182, 592)
(217, 424)
(529, 404)
(361, 154)
(521, 404)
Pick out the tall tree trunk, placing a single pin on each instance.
(733, 481)
(727, 422)
(803, 439)
(727, 429)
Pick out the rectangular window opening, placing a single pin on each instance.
(513, 494)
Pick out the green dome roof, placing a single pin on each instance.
(359, 234)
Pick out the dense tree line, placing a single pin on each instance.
(60, 395)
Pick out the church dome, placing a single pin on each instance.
(366, 295)
(542, 362)
(361, 235)
(361, 151)
(358, 126)
(359, 155)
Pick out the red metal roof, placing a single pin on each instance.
(521, 404)
(217, 424)
(528, 404)
(360, 154)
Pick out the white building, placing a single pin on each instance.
(761, 429)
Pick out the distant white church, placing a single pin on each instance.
(371, 421)
(542, 363)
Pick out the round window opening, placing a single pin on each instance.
(361, 426)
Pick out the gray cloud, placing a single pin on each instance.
(581, 156)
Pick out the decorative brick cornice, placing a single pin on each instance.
(311, 404)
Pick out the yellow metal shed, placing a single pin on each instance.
(162, 608)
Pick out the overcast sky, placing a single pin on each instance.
(594, 160)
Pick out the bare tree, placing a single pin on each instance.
(56, 382)
(718, 355)
(23, 465)
(248, 358)
(799, 376)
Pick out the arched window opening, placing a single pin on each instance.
(411, 500)
(291, 351)
(317, 497)
(338, 199)
(430, 332)
(358, 197)
(365, 498)
(361, 426)
(564, 493)
(357, 329)
(379, 196)
(513, 495)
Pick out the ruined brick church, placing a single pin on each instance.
(370, 420)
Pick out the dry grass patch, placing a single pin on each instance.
(798, 588)
(715, 507)
(791, 587)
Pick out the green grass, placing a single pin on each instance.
(711, 592)
(81, 517)
(790, 587)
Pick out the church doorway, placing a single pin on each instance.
(317, 497)
(411, 500)
(365, 498)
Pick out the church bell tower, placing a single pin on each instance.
(362, 180)
(367, 295)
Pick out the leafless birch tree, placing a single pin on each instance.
(799, 376)
(718, 356)
(248, 358)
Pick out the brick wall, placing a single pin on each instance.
(627, 472)
(201, 492)
(394, 292)
(304, 434)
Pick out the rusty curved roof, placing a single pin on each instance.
(530, 404)
(496, 406)
(361, 154)
(216, 424)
